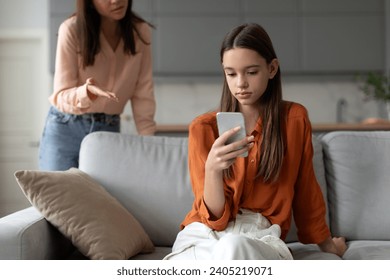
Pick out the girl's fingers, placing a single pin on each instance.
(227, 155)
(224, 155)
(239, 150)
(227, 134)
(239, 145)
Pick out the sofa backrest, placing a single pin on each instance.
(147, 174)
(358, 177)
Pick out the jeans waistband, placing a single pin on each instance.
(99, 117)
(95, 117)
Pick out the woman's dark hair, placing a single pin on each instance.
(253, 36)
(88, 28)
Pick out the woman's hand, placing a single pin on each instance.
(94, 91)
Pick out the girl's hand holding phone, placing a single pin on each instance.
(222, 155)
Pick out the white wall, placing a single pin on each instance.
(17, 14)
(29, 19)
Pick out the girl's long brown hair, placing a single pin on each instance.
(88, 28)
(253, 36)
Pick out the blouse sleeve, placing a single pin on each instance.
(143, 101)
(201, 138)
(308, 204)
(68, 97)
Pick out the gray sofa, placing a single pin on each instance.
(149, 176)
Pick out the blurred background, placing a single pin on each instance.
(322, 47)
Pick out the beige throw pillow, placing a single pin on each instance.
(83, 211)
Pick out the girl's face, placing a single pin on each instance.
(247, 74)
(111, 9)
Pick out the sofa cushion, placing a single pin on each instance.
(367, 250)
(309, 252)
(147, 174)
(96, 223)
(357, 167)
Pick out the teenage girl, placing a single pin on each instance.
(243, 205)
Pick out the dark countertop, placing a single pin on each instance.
(317, 127)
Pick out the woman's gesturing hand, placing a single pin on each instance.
(94, 91)
(222, 156)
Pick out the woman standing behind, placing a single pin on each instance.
(103, 60)
(243, 205)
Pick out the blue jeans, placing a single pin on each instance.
(63, 133)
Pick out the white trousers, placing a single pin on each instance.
(249, 237)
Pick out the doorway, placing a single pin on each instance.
(24, 90)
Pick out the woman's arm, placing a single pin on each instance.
(143, 101)
(68, 96)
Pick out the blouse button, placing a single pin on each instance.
(252, 161)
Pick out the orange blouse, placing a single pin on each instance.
(296, 189)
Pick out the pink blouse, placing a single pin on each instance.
(128, 76)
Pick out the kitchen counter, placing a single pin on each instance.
(327, 127)
(182, 129)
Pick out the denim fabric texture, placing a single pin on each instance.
(63, 133)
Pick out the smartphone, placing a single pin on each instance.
(229, 120)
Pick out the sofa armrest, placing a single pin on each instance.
(26, 235)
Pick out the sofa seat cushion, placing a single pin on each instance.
(158, 254)
(368, 250)
(309, 252)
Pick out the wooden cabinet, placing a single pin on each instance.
(309, 36)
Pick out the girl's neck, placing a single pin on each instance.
(251, 115)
